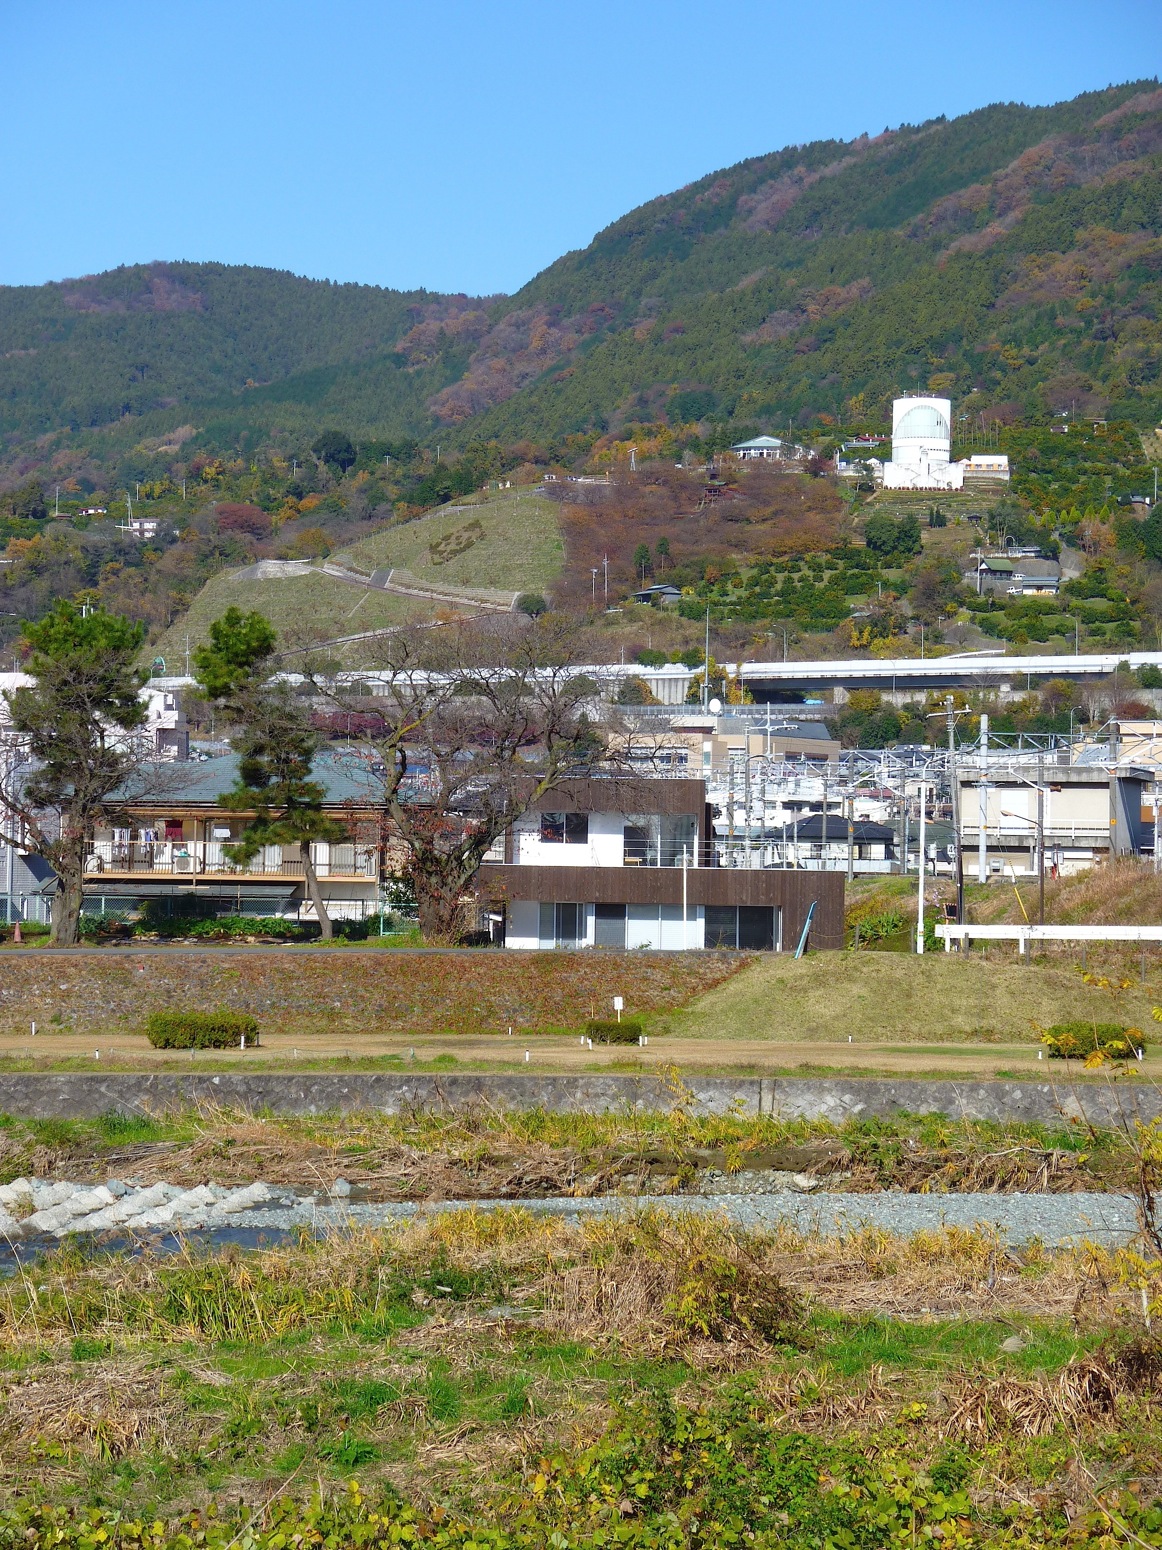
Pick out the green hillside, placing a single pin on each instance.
(487, 548)
(135, 352)
(302, 608)
(510, 542)
(1011, 257)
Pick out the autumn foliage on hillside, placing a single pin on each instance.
(756, 513)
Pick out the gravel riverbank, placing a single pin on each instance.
(36, 1209)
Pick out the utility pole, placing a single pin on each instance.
(850, 838)
(605, 562)
(954, 783)
(920, 870)
(594, 569)
(823, 846)
(982, 864)
(1040, 848)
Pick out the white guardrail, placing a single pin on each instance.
(1023, 935)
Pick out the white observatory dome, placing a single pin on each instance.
(923, 422)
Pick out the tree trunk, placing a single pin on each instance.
(440, 903)
(314, 893)
(66, 904)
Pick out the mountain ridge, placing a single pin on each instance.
(805, 286)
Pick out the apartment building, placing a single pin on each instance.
(1083, 815)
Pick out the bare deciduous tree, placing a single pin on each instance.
(473, 729)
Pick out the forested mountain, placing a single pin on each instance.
(1011, 258)
(1013, 251)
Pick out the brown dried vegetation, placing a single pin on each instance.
(765, 512)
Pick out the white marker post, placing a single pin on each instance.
(618, 1006)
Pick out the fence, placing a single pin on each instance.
(1023, 935)
(172, 858)
(28, 908)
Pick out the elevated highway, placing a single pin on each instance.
(777, 681)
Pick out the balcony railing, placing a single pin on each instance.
(199, 858)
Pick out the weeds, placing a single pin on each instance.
(489, 1153)
(503, 1378)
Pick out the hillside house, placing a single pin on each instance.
(763, 449)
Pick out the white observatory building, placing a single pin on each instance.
(922, 446)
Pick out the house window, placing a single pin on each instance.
(636, 850)
(565, 828)
(747, 926)
(562, 925)
(721, 925)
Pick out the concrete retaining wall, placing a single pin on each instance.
(74, 1095)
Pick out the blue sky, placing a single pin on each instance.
(464, 146)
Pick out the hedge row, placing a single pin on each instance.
(201, 1030)
(1077, 1041)
(607, 1031)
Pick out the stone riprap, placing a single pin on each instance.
(36, 1208)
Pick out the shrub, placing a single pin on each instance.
(531, 603)
(1077, 1041)
(201, 1030)
(880, 926)
(107, 924)
(247, 925)
(608, 1031)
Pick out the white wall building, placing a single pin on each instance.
(635, 863)
(922, 446)
(165, 731)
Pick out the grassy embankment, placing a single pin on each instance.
(505, 544)
(496, 1379)
(710, 1011)
(872, 1011)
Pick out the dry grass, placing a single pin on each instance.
(1123, 892)
(217, 1371)
(345, 995)
(655, 1282)
(104, 1412)
(483, 1153)
(646, 1277)
(510, 542)
(970, 1407)
(333, 608)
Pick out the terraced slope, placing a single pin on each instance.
(459, 558)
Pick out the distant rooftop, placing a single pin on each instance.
(202, 781)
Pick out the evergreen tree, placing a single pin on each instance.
(77, 721)
(275, 743)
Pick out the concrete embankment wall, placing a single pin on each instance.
(75, 1095)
